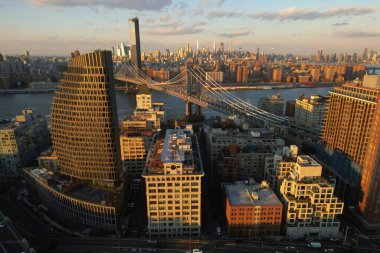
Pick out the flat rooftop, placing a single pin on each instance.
(82, 192)
(241, 194)
(177, 146)
(305, 160)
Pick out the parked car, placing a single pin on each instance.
(2, 224)
(317, 245)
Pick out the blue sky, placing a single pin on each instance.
(57, 27)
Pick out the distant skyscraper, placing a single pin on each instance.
(197, 45)
(84, 121)
(134, 40)
(365, 54)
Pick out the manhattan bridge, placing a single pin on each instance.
(199, 90)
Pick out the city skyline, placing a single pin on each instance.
(56, 27)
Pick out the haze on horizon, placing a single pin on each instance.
(57, 27)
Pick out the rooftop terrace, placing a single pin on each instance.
(79, 191)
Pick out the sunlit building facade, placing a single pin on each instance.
(173, 185)
(21, 142)
(311, 207)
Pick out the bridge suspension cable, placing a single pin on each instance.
(220, 98)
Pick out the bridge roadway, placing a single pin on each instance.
(180, 91)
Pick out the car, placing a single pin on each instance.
(2, 224)
(328, 250)
(290, 247)
(334, 239)
(152, 241)
(197, 251)
(152, 249)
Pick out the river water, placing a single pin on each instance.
(11, 105)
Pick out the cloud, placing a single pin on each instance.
(175, 30)
(212, 3)
(198, 11)
(356, 34)
(340, 24)
(222, 14)
(165, 18)
(235, 33)
(139, 5)
(294, 13)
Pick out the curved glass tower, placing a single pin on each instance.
(84, 121)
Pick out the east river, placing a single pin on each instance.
(11, 105)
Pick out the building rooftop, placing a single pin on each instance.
(314, 99)
(179, 146)
(242, 194)
(305, 160)
(81, 192)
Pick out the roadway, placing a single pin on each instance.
(95, 245)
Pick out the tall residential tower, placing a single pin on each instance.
(134, 40)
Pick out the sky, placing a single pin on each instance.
(58, 27)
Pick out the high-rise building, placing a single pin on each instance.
(84, 121)
(315, 73)
(239, 74)
(310, 112)
(21, 142)
(87, 187)
(349, 119)
(134, 41)
(173, 185)
(369, 204)
(277, 75)
(352, 128)
(252, 210)
(311, 208)
(216, 76)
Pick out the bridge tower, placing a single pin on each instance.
(194, 89)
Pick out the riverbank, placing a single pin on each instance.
(27, 91)
(232, 87)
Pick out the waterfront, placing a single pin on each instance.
(11, 105)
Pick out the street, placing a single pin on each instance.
(94, 245)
